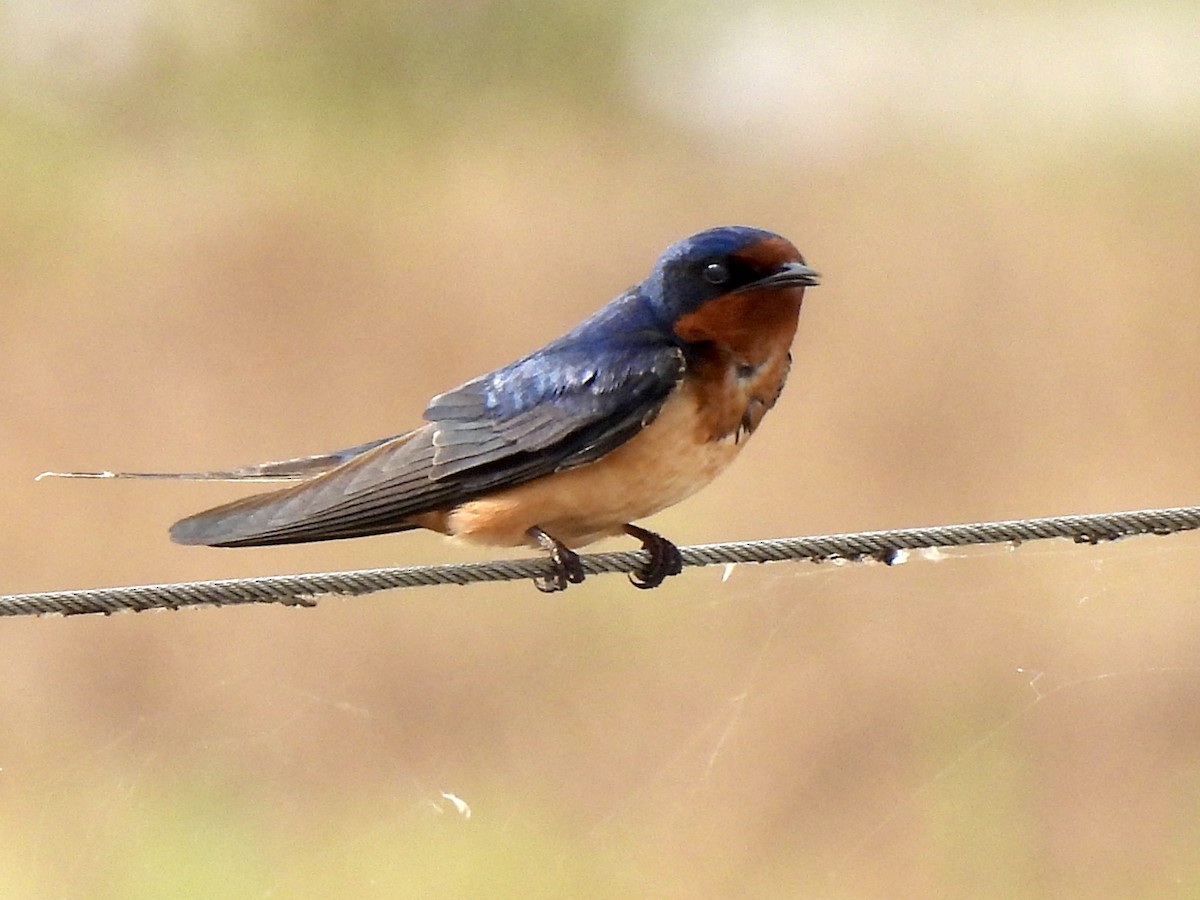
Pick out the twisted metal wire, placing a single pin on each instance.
(882, 546)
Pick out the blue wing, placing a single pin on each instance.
(571, 403)
(563, 406)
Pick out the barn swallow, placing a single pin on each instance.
(633, 410)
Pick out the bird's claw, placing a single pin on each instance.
(665, 559)
(566, 566)
(567, 570)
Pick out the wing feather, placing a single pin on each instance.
(564, 406)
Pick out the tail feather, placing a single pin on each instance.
(297, 469)
(374, 493)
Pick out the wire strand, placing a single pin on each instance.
(881, 546)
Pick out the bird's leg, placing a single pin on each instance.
(665, 558)
(567, 567)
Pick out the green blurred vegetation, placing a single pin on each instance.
(303, 90)
(163, 838)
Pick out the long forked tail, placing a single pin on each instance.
(282, 470)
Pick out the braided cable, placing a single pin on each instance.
(881, 546)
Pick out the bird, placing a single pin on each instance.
(630, 412)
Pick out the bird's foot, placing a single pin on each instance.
(665, 559)
(567, 567)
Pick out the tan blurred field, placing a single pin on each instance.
(277, 232)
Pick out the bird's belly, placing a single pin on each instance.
(667, 461)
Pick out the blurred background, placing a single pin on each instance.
(245, 231)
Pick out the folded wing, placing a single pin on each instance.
(564, 406)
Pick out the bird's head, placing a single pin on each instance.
(727, 285)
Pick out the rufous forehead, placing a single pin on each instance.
(769, 253)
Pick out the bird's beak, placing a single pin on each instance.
(793, 274)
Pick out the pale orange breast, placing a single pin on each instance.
(669, 460)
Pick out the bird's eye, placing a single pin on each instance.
(715, 273)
